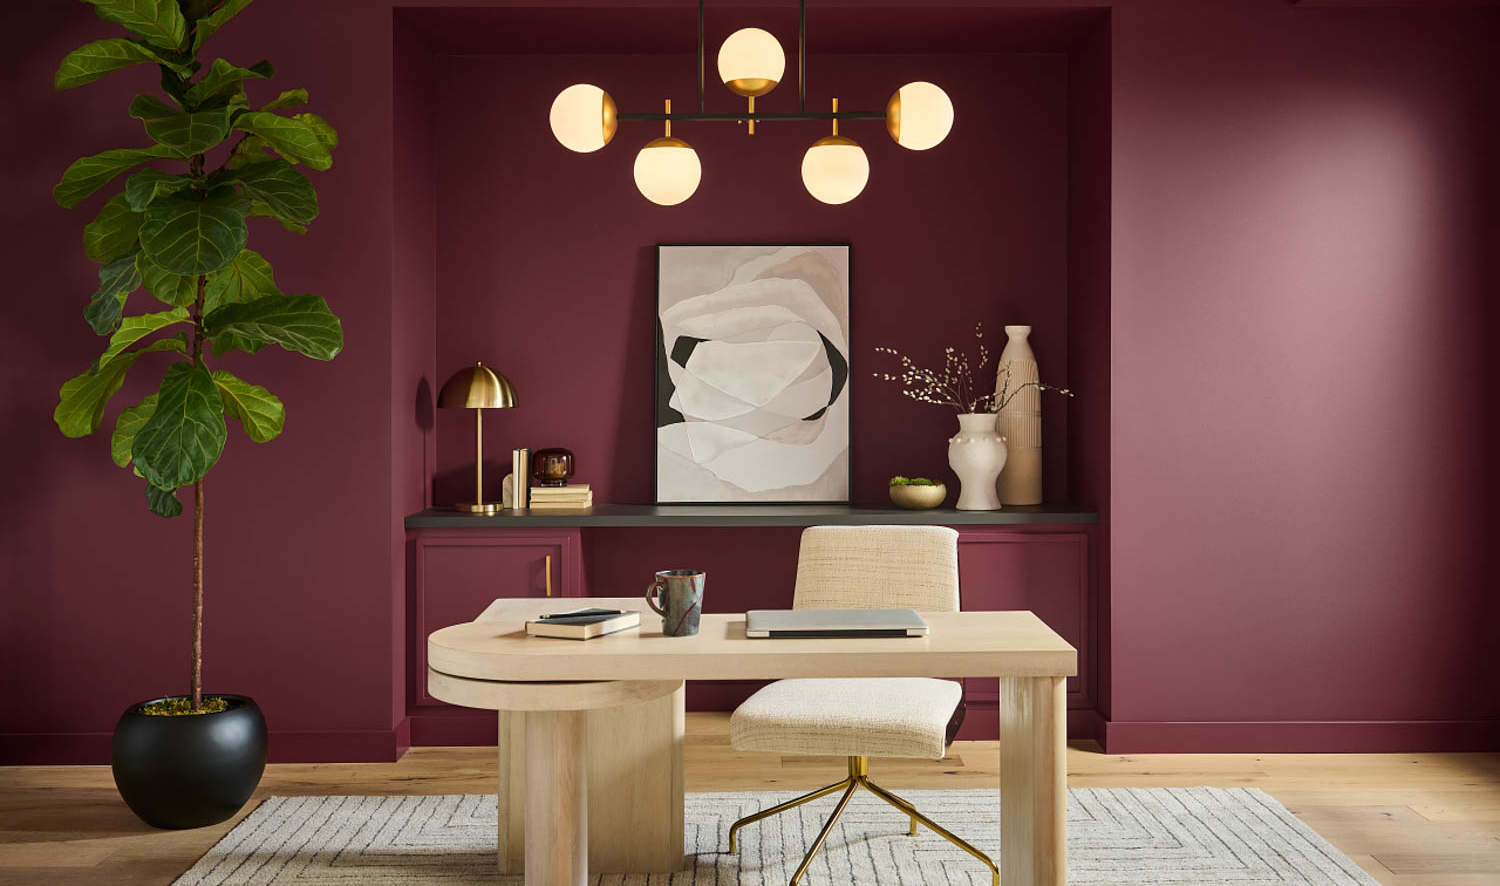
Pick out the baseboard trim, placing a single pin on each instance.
(1301, 736)
(92, 748)
(982, 723)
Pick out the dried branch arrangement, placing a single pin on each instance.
(953, 385)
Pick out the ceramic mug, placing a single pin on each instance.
(681, 592)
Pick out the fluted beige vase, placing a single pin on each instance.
(1020, 422)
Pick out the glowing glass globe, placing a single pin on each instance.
(835, 169)
(919, 115)
(667, 171)
(751, 62)
(583, 118)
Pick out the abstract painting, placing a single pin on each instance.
(752, 374)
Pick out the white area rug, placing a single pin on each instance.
(1178, 836)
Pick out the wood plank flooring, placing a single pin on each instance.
(1408, 819)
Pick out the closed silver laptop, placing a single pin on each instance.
(790, 623)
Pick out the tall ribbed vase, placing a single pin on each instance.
(1020, 422)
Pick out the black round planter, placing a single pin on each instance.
(189, 771)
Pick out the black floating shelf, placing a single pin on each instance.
(753, 515)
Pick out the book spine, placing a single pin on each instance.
(520, 463)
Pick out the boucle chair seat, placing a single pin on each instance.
(857, 717)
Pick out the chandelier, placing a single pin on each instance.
(751, 64)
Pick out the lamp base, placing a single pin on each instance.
(468, 507)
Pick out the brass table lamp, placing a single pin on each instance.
(478, 388)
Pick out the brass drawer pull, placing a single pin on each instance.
(548, 568)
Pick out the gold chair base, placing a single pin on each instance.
(858, 778)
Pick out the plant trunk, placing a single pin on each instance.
(198, 596)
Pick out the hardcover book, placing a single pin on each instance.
(583, 624)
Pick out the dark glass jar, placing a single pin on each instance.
(552, 467)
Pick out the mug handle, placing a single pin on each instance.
(651, 592)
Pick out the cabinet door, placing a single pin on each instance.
(456, 578)
(1046, 573)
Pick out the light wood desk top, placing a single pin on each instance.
(961, 644)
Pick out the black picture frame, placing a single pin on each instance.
(660, 398)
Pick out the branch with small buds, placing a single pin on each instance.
(954, 384)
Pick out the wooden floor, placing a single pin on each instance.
(1408, 819)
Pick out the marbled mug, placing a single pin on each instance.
(681, 593)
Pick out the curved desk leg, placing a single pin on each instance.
(557, 799)
(1033, 781)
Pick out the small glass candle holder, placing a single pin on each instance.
(552, 467)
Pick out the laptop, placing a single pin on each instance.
(790, 623)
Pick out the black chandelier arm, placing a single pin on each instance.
(757, 116)
(700, 55)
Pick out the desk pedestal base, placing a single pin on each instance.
(630, 782)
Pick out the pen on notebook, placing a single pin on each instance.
(578, 612)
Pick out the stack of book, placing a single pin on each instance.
(561, 497)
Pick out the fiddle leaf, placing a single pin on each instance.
(185, 132)
(177, 290)
(133, 329)
(80, 402)
(185, 434)
(92, 61)
(157, 21)
(296, 140)
(113, 231)
(89, 174)
(259, 411)
(163, 502)
(223, 78)
(291, 98)
(286, 192)
(247, 278)
(117, 280)
(300, 323)
(131, 419)
(211, 23)
(186, 235)
(148, 184)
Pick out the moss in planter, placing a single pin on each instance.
(913, 481)
(183, 707)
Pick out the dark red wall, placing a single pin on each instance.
(1298, 305)
(1303, 381)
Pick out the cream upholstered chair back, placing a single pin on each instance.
(878, 567)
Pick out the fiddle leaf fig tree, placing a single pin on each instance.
(175, 233)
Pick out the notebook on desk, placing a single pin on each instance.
(792, 623)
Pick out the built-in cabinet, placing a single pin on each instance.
(458, 574)
(455, 572)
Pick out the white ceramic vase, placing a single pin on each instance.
(1020, 422)
(977, 454)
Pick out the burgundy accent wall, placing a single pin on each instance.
(1302, 381)
(1294, 280)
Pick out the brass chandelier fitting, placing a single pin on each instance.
(751, 64)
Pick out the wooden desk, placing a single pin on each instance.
(491, 663)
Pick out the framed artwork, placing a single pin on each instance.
(752, 374)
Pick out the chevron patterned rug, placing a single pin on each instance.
(1122, 837)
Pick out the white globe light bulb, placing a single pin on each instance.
(751, 62)
(835, 169)
(667, 171)
(919, 115)
(583, 118)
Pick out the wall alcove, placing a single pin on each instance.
(541, 262)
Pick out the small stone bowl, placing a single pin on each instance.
(918, 498)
